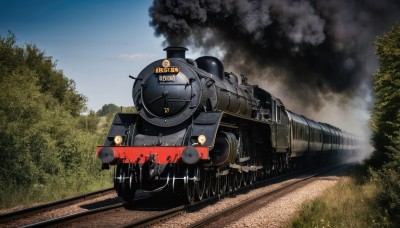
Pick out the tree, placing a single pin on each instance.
(46, 147)
(50, 80)
(108, 109)
(386, 114)
(386, 123)
(89, 122)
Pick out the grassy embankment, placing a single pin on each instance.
(349, 203)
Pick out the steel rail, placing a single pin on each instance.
(213, 217)
(150, 220)
(159, 217)
(164, 215)
(6, 217)
(71, 218)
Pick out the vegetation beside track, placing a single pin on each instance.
(349, 203)
(47, 146)
(374, 201)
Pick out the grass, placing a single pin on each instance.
(350, 203)
(12, 197)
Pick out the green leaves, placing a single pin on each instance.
(108, 109)
(386, 124)
(50, 80)
(386, 113)
(43, 144)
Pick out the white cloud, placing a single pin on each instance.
(136, 56)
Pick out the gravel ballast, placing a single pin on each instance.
(274, 214)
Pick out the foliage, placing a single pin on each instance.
(386, 124)
(111, 109)
(50, 81)
(131, 109)
(386, 114)
(89, 122)
(46, 148)
(389, 198)
(108, 109)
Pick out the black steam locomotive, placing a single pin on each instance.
(198, 132)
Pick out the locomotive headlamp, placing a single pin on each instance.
(201, 139)
(118, 140)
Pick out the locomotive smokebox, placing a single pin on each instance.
(176, 52)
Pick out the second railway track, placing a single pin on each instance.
(11, 218)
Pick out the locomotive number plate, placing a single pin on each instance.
(166, 78)
(166, 70)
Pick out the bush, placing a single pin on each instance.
(46, 151)
(389, 198)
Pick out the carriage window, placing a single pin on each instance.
(278, 113)
(273, 110)
(301, 132)
(312, 135)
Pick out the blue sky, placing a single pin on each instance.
(95, 43)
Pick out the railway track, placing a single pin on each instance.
(210, 219)
(142, 215)
(65, 220)
(252, 204)
(36, 210)
(108, 215)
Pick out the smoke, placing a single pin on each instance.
(311, 54)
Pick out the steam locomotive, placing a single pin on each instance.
(198, 132)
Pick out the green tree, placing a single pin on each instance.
(386, 114)
(46, 147)
(130, 109)
(108, 109)
(89, 122)
(50, 80)
(386, 123)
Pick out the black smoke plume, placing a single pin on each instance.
(315, 50)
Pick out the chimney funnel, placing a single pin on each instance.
(175, 52)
